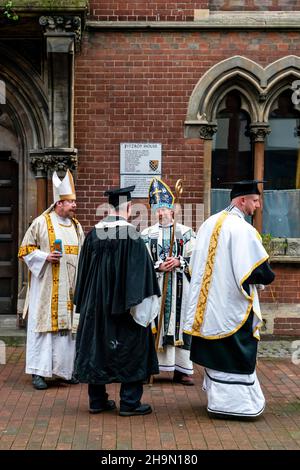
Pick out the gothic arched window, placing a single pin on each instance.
(282, 169)
(282, 154)
(232, 157)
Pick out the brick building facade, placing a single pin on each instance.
(205, 79)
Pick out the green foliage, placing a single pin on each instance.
(27, 5)
(9, 12)
(267, 242)
(274, 246)
(266, 238)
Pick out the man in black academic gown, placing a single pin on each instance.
(117, 298)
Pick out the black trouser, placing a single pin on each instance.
(130, 395)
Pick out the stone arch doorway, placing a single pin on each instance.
(37, 104)
(23, 127)
(8, 229)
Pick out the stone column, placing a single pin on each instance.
(258, 132)
(62, 35)
(206, 132)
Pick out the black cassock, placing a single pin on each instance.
(115, 273)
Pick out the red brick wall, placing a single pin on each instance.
(287, 327)
(135, 87)
(286, 287)
(161, 10)
(139, 10)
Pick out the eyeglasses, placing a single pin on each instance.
(70, 201)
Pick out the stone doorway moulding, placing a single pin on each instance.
(36, 118)
(23, 126)
(258, 86)
(25, 116)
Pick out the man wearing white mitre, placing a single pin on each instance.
(50, 249)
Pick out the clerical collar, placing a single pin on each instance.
(235, 210)
(166, 226)
(113, 218)
(64, 221)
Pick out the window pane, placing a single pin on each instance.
(282, 156)
(232, 152)
(281, 214)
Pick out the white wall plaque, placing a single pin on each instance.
(139, 163)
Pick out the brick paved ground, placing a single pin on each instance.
(58, 418)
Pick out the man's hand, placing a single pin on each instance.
(54, 257)
(260, 287)
(170, 264)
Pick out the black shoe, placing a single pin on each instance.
(109, 405)
(140, 410)
(184, 379)
(72, 381)
(38, 382)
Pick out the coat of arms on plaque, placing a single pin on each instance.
(153, 164)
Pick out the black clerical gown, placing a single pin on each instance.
(115, 273)
(236, 353)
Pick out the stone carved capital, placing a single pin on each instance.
(63, 24)
(49, 160)
(207, 131)
(259, 131)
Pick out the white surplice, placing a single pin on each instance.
(227, 251)
(49, 352)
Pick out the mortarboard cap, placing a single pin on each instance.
(117, 196)
(160, 195)
(245, 187)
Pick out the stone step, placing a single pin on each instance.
(10, 333)
(8, 321)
